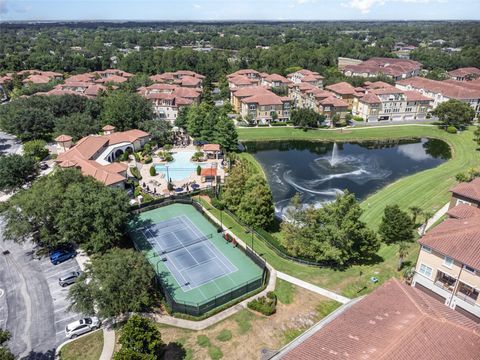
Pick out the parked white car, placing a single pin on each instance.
(81, 326)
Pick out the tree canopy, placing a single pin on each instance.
(118, 282)
(454, 113)
(333, 234)
(16, 171)
(396, 226)
(67, 208)
(306, 118)
(140, 336)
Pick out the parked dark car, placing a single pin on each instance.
(60, 255)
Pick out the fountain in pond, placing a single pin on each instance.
(335, 159)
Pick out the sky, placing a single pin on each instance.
(239, 10)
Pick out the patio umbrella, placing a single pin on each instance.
(195, 186)
(179, 189)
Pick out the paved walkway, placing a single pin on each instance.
(422, 229)
(108, 343)
(313, 288)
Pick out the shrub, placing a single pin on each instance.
(215, 353)
(136, 173)
(35, 149)
(452, 129)
(263, 125)
(199, 170)
(136, 155)
(224, 335)
(279, 124)
(153, 171)
(197, 156)
(265, 305)
(357, 118)
(148, 160)
(217, 203)
(124, 156)
(203, 341)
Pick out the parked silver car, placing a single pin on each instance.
(69, 278)
(81, 326)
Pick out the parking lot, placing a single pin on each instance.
(33, 306)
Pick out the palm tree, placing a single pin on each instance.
(415, 210)
(402, 254)
(426, 216)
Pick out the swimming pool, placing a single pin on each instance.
(180, 168)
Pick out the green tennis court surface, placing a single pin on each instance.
(194, 262)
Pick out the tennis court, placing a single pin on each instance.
(186, 251)
(198, 269)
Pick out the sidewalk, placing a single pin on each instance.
(316, 289)
(434, 218)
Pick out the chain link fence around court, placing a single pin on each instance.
(198, 309)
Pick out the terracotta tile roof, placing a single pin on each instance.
(59, 92)
(190, 81)
(319, 93)
(108, 128)
(63, 138)
(37, 79)
(93, 90)
(463, 211)
(82, 155)
(240, 80)
(469, 190)
(458, 239)
(161, 77)
(211, 147)
(334, 101)
(395, 322)
(250, 91)
(446, 89)
(370, 98)
(376, 85)
(113, 79)
(388, 66)
(472, 85)
(208, 172)
(416, 96)
(341, 88)
(5, 79)
(277, 78)
(243, 72)
(263, 99)
(187, 92)
(162, 87)
(87, 77)
(461, 72)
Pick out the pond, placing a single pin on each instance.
(318, 171)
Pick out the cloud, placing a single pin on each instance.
(3, 7)
(196, 6)
(364, 6)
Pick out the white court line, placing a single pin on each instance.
(1, 292)
(67, 270)
(171, 262)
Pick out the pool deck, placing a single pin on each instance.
(159, 181)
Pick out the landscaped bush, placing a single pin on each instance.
(136, 155)
(279, 124)
(452, 129)
(263, 125)
(199, 170)
(265, 305)
(148, 160)
(153, 171)
(357, 118)
(217, 203)
(224, 335)
(135, 172)
(124, 156)
(203, 341)
(197, 156)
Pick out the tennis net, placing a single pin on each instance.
(186, 244)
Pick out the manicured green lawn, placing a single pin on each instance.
(427, 189)
(88, 347)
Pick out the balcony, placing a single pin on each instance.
(467, 293)
(445, 281)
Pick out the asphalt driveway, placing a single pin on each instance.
(33, 307)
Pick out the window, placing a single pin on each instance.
(469, 269)
(459, 201)
(426, 270)
(426, 249)
(448, 262)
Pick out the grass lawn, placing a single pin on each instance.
(88, 347)
(427, 189)
(244, 334)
